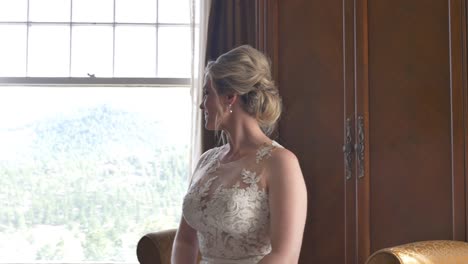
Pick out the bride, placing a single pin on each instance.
(247, 200)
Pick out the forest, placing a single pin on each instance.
(87, 186)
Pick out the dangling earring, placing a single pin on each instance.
(230, 108)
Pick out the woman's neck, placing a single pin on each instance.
(244, 137)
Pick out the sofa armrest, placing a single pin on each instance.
(156, 247)
(423, 252)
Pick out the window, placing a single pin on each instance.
(95, 112)
(105, 38)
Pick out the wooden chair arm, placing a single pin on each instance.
(156, 247)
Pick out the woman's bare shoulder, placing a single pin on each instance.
(282, 161)
(282, 155)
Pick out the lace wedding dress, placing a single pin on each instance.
(227, 203)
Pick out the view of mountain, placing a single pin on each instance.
(85, 185)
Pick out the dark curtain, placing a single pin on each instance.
(231, 23)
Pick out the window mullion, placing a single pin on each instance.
(27, 38)
(156, 43)
(113, 41)
(94, 23)
(71, 38)
(86, 81)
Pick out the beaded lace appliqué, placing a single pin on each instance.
(232, 222)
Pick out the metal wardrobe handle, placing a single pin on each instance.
(360, 147)
(348, 150)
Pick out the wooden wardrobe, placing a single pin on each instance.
(375, 96)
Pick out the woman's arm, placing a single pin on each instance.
(288, 207)
(185, 248)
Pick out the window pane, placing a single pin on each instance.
(135, 11)
(174, 52)
(135, 51)
(93, 11)
(92, 51)
(48, 51)
(85, 172)
(13, 10)
(49, 10)
(13, 50)
(174, 11)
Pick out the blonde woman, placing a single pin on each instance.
(247, 200)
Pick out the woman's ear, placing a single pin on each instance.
(231, 98)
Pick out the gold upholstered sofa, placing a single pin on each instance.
(423, 252)
(156, 248)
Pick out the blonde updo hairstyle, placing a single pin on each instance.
(247, 72)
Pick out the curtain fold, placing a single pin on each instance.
(199, 14)
(231, 23)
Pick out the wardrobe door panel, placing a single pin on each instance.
(311, 83)
(410, 124)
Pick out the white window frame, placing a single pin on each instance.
(85, 82)
(53, 80)
(78, 81)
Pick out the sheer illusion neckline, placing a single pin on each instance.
(228, 206)
(253, 154)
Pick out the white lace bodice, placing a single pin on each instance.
(227, 203)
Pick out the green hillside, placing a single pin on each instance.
(102, 175)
